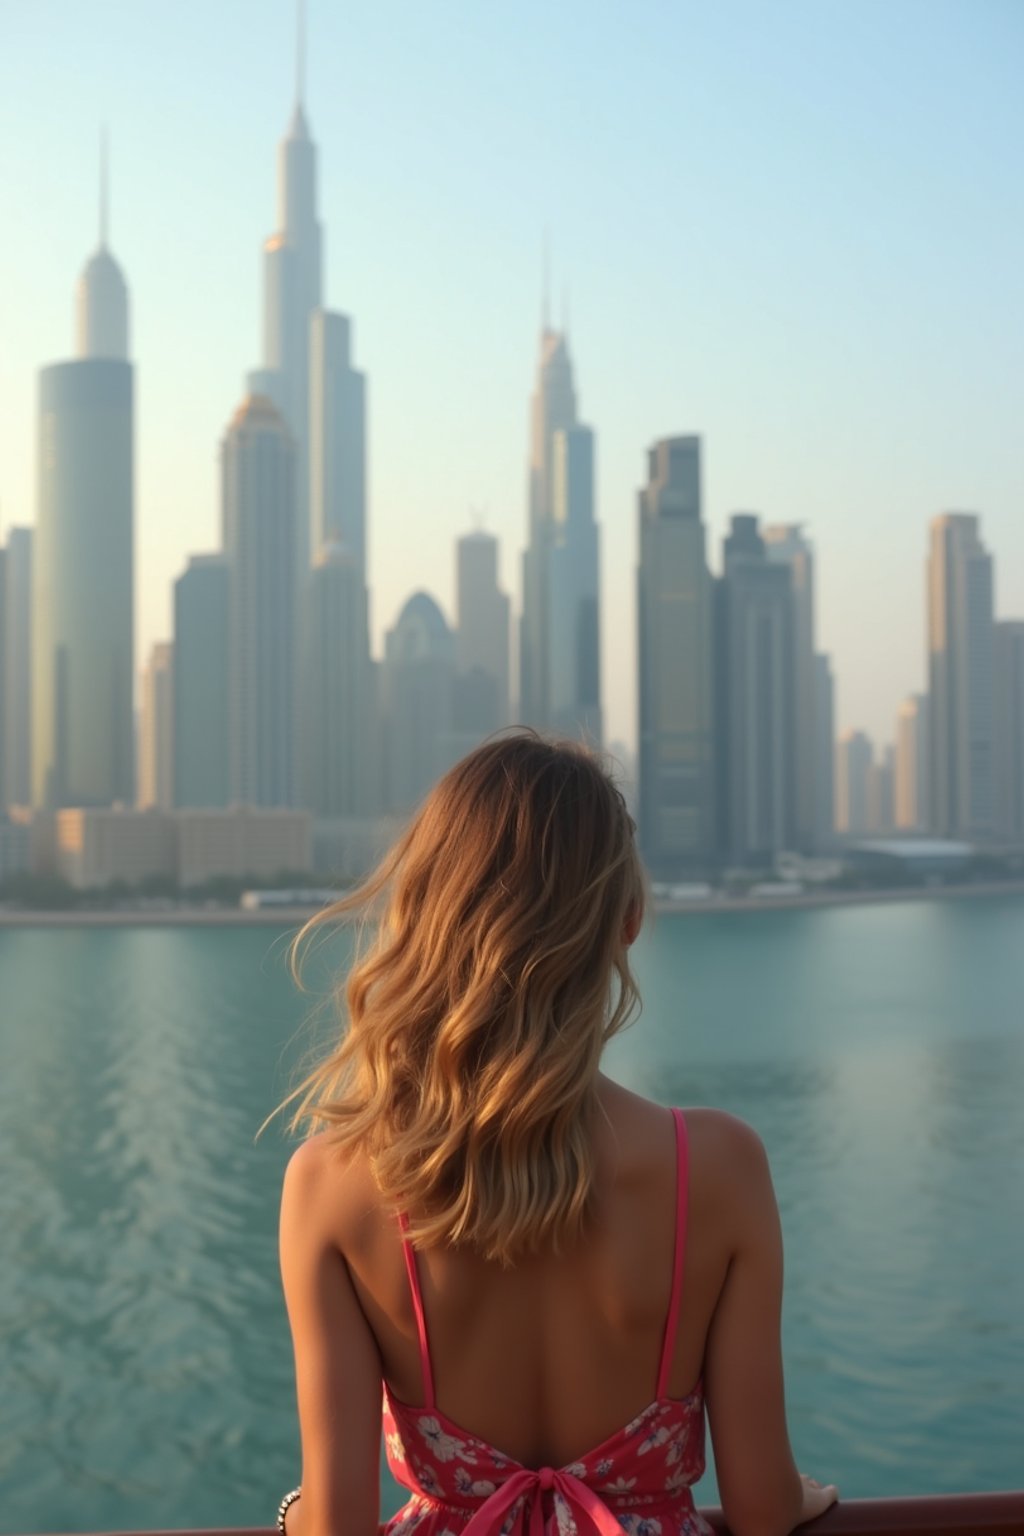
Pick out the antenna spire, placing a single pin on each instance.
(300, 54)
(545, 301)
(104, 190)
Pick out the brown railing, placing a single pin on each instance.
(962, 1514)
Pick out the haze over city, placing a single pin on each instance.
(798, 233)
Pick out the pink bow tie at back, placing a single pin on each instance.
(592, 1516)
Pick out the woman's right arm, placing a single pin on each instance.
(761, 1491)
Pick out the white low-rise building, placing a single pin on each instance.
(242, 841)
(96, 847)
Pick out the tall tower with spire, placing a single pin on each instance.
(82, 569)
(292, 258)
(101, 309)
(559, 681)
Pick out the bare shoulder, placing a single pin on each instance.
(322, 1184)
(727, 1140)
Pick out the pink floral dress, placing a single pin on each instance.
(638, 1480)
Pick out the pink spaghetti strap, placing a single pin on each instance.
(679, 1258)
(417, 1306)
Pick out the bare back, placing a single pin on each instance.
(572, 1340)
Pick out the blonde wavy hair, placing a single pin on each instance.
(476, 1018)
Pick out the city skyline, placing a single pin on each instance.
(885, 418)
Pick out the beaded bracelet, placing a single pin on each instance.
(284, 1506)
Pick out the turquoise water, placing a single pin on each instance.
(146, 1368)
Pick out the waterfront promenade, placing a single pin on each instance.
(159, 916)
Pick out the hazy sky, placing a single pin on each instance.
(796, 228)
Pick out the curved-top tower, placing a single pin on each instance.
(82, 632)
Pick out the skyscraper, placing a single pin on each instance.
(16, 649)
(201, 709)
(674, 623)
(911, 788)
(156, 730)
(574, 670)
(337, 440)
(824, 754)
(879, 793)
(291, 292)
(82, 635)
(1009, 731)
(482, 636)
(418, 697)
(336, 739)
(258, 463)
(3, 683)
(756, 697)
(786, 544)
(553, 492)
(960, 675)
(854, 757)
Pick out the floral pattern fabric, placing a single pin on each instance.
(637, 1481)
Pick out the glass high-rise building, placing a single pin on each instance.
(481, 637)
(1009, 731)
(854, 758)
(337, 440)
(418, 687)
(258, 463)
(787, 544)
(676, 770)
(910, 794)
(291, 292)
(755, 686)
(82, 625)
(824, 754)
(156, 730)
(960, 679)
(16, 651)
(336, 740)
(202, 777)
(559, 667)
(574, 666)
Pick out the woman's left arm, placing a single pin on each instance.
(337, 1365)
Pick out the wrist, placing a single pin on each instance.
(283, 1508)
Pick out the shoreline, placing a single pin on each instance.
(293, 917)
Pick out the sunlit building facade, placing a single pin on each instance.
(910, 794)
(156, 730)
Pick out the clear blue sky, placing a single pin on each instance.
(797, 229)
